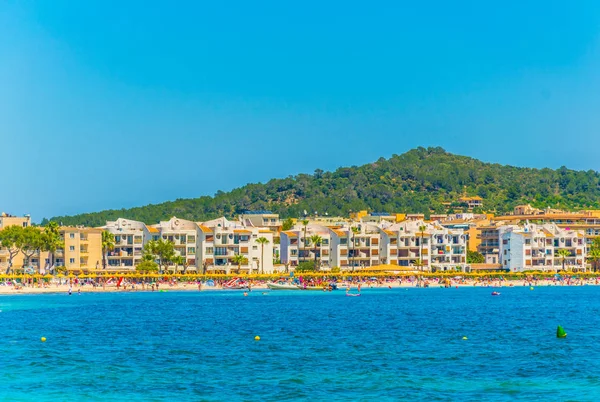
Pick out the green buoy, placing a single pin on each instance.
(560, 332)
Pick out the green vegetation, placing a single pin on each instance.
(238, 260)
(160, 250)
(563, 254)
(306, 266)
(473, 257)
(147, 266)
(108, 244)
(287, 224)
(423, 180)
(29, 241)
(262, 241)
(316, 241)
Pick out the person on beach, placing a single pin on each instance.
(359, 285)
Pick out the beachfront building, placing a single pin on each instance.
(294, 248)
(537, 247)
(354, 247)
(7, 220)
(82, 252)
(220, 240)
(130, 238)
(442, 248)
(184, 236)
(261, 219)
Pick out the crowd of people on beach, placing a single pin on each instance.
(325, 282)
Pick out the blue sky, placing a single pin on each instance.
(112, 104)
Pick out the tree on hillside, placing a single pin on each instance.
(10, 239)
(108, 244)
(418, 181)
(316, 240)
(262, 241)
(287, 224)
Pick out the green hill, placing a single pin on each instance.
(422, 180)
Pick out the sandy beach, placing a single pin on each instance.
(9, 289)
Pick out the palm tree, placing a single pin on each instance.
(262, 241)
(563, 254)
(108, 244)
(594, 257)
(305, 223)
(239, 259)
(52, 241)
(354, 231)
(422, 230)
(179, 260)
(316, 240)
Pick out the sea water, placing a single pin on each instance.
(385, 345)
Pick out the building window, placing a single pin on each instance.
(254, 247)
(71, 248)
(294, 252)
(24, 224)
(191, 250)
(71, 235)
(72, 260)
(209, 250)
(191, 239)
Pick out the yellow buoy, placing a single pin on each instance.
(257, 338)
(464, 338)
(531, 288)
(43, 339)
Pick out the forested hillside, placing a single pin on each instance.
(421, 180)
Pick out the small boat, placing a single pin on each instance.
(353, 294)
(495, 293)
(282, 286)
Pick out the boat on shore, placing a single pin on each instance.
(282, 286)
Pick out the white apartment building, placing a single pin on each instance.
(442, 248)
(355, 249)
(295, 250)
(184, 236)
(220, 240)
(130, 238)
(535, 247)
(261, 219)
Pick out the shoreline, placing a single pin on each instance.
(192, 287)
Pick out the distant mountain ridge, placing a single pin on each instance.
(422, 180)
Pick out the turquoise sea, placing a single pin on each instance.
(385, 345)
